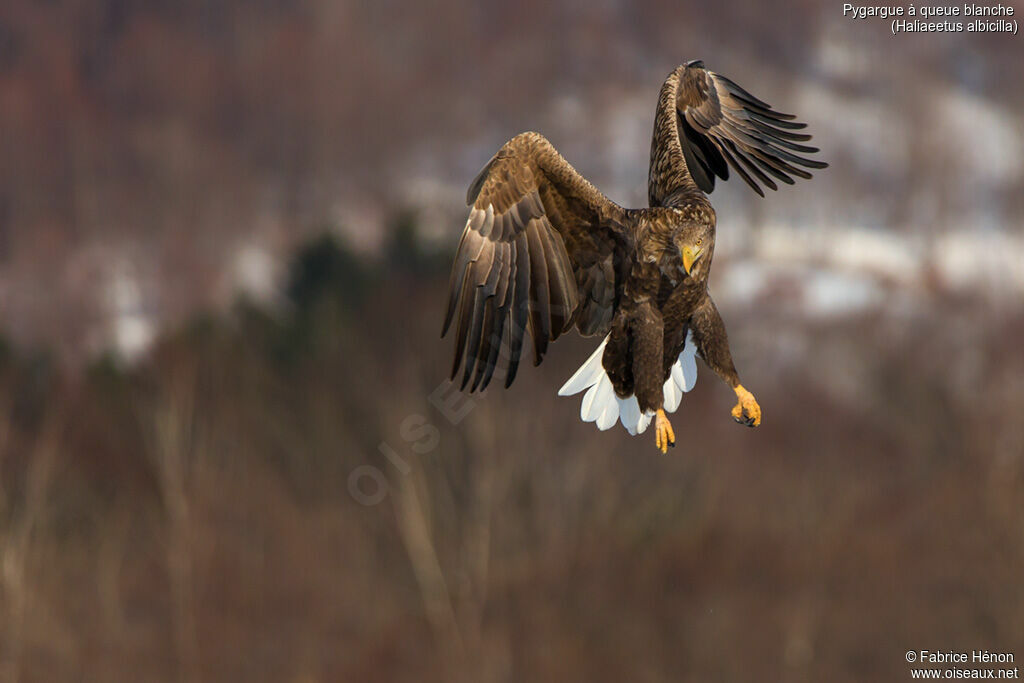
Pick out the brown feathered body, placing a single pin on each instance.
(658, 303)
(543, 250)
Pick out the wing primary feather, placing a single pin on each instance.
(768, 120)
(484, 350)
(469, 250)
(487, 271)
(736, 132)
(741, 155)
(515, 344)
(540, 316)
(496, 332)
(454, 289)
(769, 113)
(765, 111)
(473, 345)
(768, 134)
(465, 313)
(780, 167)
(455, 283)
(772, 130)
(767, 165)
(793, 158)
(774, 141)
(753, 103)
(501, 318)
(739, 168)
(520, 306)
(736, 89)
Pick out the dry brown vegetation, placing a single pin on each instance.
(192, 519)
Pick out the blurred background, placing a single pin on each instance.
(228, 452)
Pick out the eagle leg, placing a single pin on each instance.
(663, 434)
(746, 411)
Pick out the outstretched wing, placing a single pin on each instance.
(706, 124)
(542, 249)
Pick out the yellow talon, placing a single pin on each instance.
(746, 411)
(663, 434)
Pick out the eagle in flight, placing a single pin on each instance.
(544, 250)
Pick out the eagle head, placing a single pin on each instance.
(694, 243)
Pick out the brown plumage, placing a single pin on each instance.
(544, 250)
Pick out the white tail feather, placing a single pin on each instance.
(604, 401)
(586, 408)
(587, 375)
(603, 406)
(629, 413)
(609, 416)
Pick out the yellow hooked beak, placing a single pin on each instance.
(690, 256)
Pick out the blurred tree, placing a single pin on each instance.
(325, 270)
(404, 253)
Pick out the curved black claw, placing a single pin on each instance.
(747, 421)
